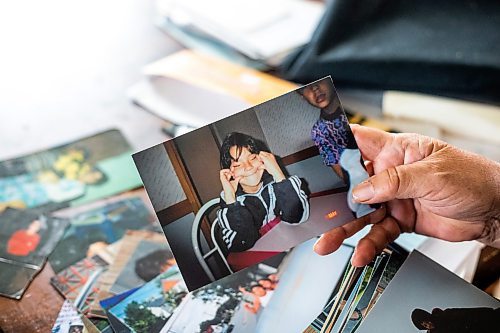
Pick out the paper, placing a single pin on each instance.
(259, 29)
(255, 184)
(26, 240)
(94, 226)
(153, 303)
(69, 175)
(433, 295)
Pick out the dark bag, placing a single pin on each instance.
(439, 47)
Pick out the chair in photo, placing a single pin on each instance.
(203, 255)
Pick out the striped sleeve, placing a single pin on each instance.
(291, 200)
(238, 230)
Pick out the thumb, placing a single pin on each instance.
(399, 182)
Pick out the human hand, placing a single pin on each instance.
(429, 187)
(229, 185)
(270, 164)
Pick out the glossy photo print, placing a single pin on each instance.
(25, 246)
(252, 185)
(69, 175)
(448, 303)
(101, 223)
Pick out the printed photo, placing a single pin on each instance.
(25, 246)
(68, 175)
(77, 282)
(449, 304)
(31, 239)
(149, 307)
(255, 184)
(106, 304)
(68, 320)
(351, 300)
(281, 294)
(95, 226)
(147, 262)
(140, 257)
(232, 304)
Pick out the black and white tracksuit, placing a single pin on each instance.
(241, 221)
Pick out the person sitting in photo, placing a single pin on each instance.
(257, 298)
(25, 241)
(256, 193)
(333, 137)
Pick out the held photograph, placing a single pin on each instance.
(245, 188)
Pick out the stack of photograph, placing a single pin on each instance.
(241, 202)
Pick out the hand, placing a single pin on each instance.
(269, 163)
(430, 187)
(229, 185)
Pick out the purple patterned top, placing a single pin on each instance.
(330, 136)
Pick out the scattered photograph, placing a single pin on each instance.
(232, 304)
(25, 246)
(77, 282)
(94, 226)
(149, 307)
(252, 185)
(68, 320)
(141, 256)
(148, 261)
(351, 300)
(72, 174)
(360, 309)
(31, 239)
(449, 304)
(15, 279)
(106, 304)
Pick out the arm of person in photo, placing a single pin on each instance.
(429, 187)
(237, 226)
(291, 200)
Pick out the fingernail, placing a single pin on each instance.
(315, 246)
(363, 192)
(354, 255)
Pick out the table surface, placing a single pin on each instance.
(65, 69)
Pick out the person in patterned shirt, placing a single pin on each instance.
(330, 133)
(333, 137)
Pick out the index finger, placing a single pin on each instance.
(370, 141)
(331, 240)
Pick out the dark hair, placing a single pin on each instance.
(256, 285)
(239, 140)
(150, 266)
(265, 279)
(418, 316)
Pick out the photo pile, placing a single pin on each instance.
(34, 186)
